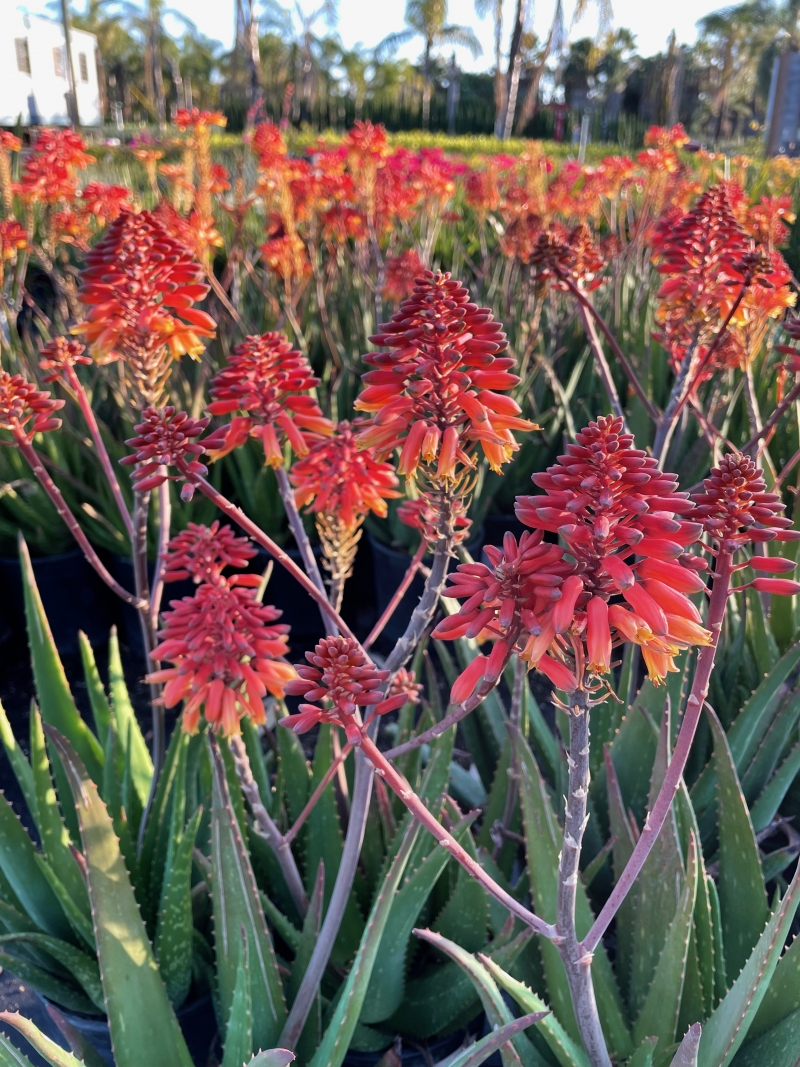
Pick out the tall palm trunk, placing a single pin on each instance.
(158, 74)
(531, 98)
(426, 92)
(499, 80)
(514, 68)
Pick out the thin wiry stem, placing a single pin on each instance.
(398, 595)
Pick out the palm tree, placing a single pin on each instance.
(147, 23)
(482, 8)
(428, 19)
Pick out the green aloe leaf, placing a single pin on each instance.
(688, 1050)
(481, 1051)
(294, 773)
(55, 699)
(134, 744)
(46, 984)
(657, 894)
(728, 1027)
(565, 1050)
(80, 922)
(643, 1056)
(385, 991)
(778, 1047)
(101, 709)
(82, 967)
(766, 806)
(237, 907)
(256, 757)
(542, 835)
(659, 1015)
(442, 1001)
(742, 898)
(19, 763)
(18, 859)
(139, 1012)
(173, 945)
(239, 1027)
(518, 1052)
(465, 917)
(52, 831)
(768, 753)
(783, 994)
(342, 1024)
(750, 725)
(52, 1053)
(274, 1057)
(621, 830)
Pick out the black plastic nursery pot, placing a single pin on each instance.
(495, 525)
(300, 611)
(389, 568)
(130, 628)
(73, 595)
(196, 1018)
(422, 1056)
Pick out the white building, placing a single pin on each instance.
(34, 79)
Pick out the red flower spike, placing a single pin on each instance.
(59, 355)
(270, 382)
(404, 682)
(24, 409)
(611, 504)
(735, 508)
(139, 284)
(202, 553)
(341, 675)
(162, 438)
(338, 478)
(438, 391)
(227, 653)
(504, 599)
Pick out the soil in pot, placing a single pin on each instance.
(196, 1019)
(73, 595)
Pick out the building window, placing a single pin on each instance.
(23, 55)
(58, 63)
(83, 66)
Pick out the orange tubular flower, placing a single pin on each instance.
(105, 202)
(50, 171)
(59, 355)
(202, 553)
(337, 478)
(24, 409)
(270, 382)
(340, 675)
(560, 255)
(506, 600)
(401, 273)
(13, 239)
(140, 284)
(611, 504)
(227, 654)
(440, 389)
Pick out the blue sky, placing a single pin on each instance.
(368, 22)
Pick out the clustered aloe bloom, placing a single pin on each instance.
(24, 409)
(163, 437)
(504, 602)
(737, 512)
(59, 356)
(202, 553)
(139, 284)
(227, 652)
(271, 383)
(439, 391)
(339, 674)
(622, 521)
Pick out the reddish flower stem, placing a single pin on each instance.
(601, 363)
(459, 712)
(397, 782)
(399, 593)
(164, 523)
(657, 815)
(290, 835)
(102, 453)
(61, 506)
(774, 418)
(267, 543)
(650, 408)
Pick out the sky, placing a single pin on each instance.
(368, 21)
